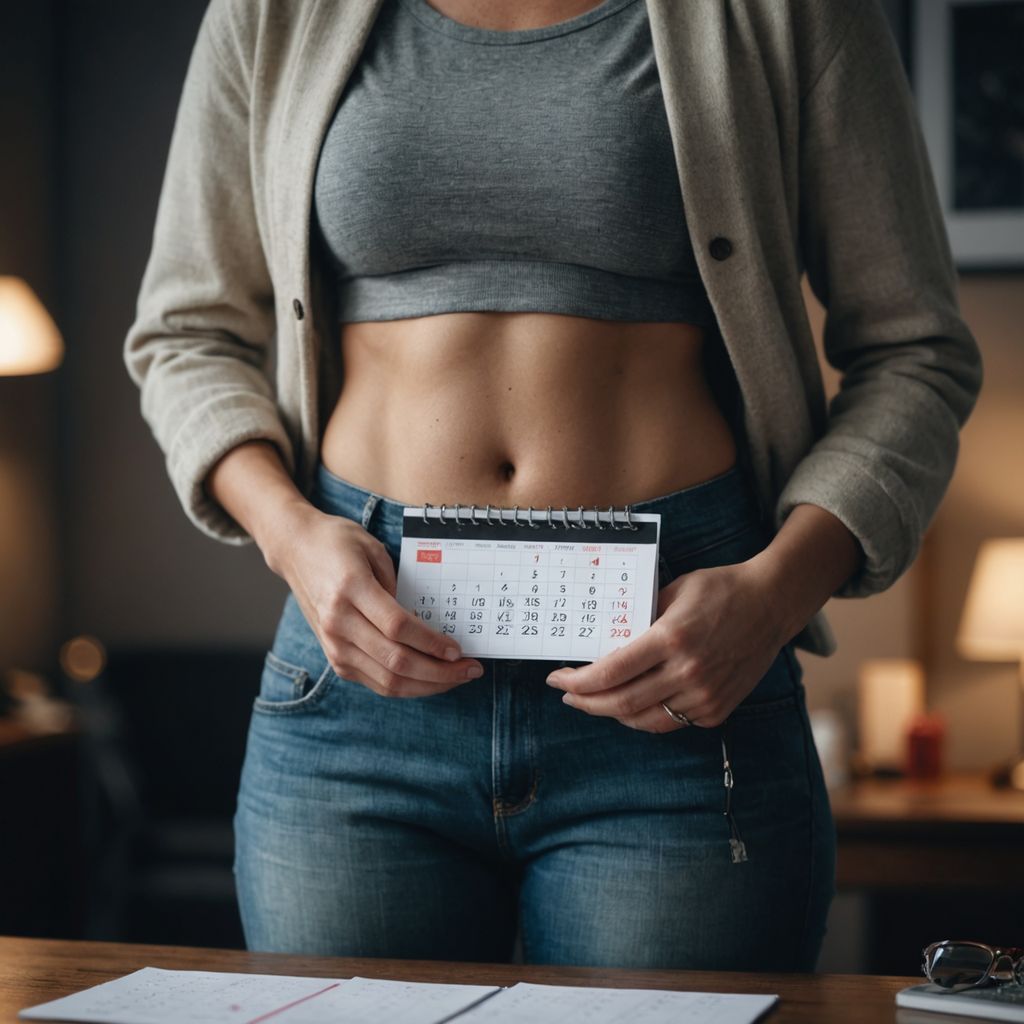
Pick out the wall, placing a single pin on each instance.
(30, 591)
(138, 572)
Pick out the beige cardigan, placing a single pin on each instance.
(798, 147)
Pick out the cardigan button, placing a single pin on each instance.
(297, 306)
(720, 248)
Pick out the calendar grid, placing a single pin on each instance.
(516, 591)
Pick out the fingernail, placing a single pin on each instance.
(451, 653)
(554, 680)
(567, 699)
(474, 672)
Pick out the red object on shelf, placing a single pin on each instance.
(925, 738)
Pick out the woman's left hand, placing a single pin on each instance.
(717, 632)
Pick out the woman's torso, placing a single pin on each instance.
(524, 407)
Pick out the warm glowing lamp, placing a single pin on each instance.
(29, 339)
(992, 624)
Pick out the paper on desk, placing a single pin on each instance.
(153, 995)
(379, 1001)
(547, 1004)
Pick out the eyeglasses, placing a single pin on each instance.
(958, 964)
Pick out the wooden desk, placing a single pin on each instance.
(957, 831)
(935, 860)
(36, 970)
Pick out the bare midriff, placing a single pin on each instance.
(524, 409)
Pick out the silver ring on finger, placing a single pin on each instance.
(676, 716)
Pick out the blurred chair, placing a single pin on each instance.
(167, 731)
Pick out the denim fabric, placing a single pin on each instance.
(438, 827)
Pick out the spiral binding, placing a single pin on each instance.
(581, 522)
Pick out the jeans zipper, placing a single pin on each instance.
(737, 848)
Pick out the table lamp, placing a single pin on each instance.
(29, 339)
(992, 623)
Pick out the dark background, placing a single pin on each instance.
(88, 93)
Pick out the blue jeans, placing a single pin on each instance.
(439, 827)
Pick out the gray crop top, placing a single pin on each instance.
(527, 170)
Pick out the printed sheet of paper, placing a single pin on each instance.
(521, 591)
(554, 1004)
(377, 1001)
(153, 995)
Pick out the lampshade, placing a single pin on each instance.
(992, 624)
(29, 339)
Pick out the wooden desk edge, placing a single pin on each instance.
(34, 970)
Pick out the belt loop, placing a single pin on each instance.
(371, 504)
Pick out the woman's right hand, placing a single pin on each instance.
(341, 576)
(344, 581)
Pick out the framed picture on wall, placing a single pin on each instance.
(967, 58)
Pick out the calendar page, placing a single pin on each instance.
(532, 588)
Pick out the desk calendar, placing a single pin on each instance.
(565, 586)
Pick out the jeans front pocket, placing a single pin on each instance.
(296, 673)
(740, 542)
(777, 690)
(285, 687)
(282, 681)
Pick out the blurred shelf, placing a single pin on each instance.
(957, 831)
